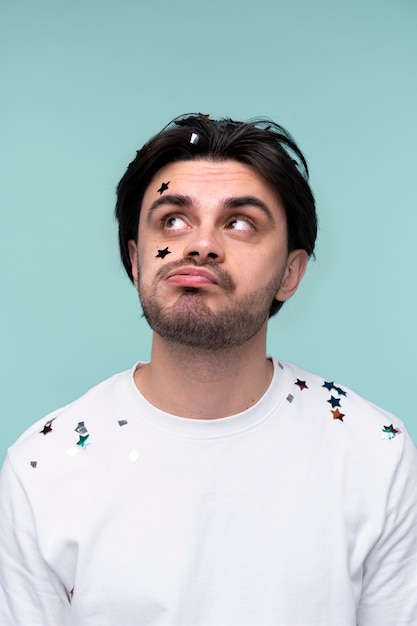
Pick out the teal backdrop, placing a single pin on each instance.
(85, 82)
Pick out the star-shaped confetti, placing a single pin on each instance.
(162, 253)
(389, 432)
(83, 441)
(163, 188)
(337, 415)
(340, 391)
(46, 429)
(328, 385)
(301, 383)
(334, 401)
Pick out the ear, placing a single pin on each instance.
(133, 256)
(296, 266)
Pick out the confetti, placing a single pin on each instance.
(328, 385)
(194, 138)
(302, 384)
(81, 429)
(389, 432)
(122, 422)
(334, 401)
(46, 429)
(133, 456)
(33, 463)
(162, 253)
(163, 188)
(72, 451)
(83, 441)
(290, 397)
(340, 391)
(337, 415)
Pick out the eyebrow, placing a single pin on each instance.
(233, 203)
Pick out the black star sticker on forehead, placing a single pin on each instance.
(163, 188)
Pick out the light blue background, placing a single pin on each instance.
(85, 83)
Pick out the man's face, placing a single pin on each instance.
(212, 253)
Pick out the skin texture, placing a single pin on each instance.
(208, 301)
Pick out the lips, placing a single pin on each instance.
(191, 277)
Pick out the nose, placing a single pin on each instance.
(205, 245)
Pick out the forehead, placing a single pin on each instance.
(217, 177)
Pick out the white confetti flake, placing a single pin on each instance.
(134, 455)
(72, 451)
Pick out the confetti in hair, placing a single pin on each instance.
(195, 138)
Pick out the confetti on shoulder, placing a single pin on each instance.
(48, 427)
(83, 441)
(122, 422)
(33, 463)
(301, 384)
(389, 432)
(133, 456)
(81, 429)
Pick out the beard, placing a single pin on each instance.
(191, 322)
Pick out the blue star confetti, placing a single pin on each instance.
(83, 441)
(334, 401)
(328, 385)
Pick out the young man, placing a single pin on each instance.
(212, 486)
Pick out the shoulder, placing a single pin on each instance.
(72, 420)
(345, 421)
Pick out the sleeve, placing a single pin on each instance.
(30, 592)
(389, 590)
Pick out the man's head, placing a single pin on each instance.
(262, 145)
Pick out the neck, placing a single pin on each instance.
(205, 384)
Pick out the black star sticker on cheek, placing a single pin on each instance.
(163, 188)
(162, 253)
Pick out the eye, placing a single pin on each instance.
(240, 224)
(174, 222)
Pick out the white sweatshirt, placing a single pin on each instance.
(300, 511)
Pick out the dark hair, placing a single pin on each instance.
(260, 143)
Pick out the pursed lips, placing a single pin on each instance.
(191, 277)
